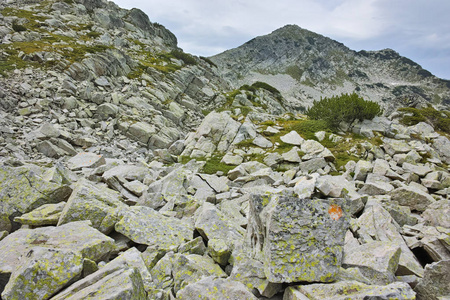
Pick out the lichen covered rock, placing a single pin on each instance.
(354, 290)
(298, 239)
(42, 273)
(144, 225)
(96, 203)
(211, 288)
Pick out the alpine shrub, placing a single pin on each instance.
(344, 108)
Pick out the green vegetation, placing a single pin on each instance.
(266, 86)
(440, 120)
(185, 57)
(344, 108)
(18, 28)
(212, 165)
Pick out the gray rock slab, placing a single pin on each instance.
(435, 282)
(109, 283)
(96, 203)
(47, 214)
(377, 261)
(313, 165)
(42, 273)
(262, 142)
(179, 270)
(213, 224)
(415, 198)
(438, 214)
(23, 189)
(376, 224)
(85, 160)
(211, 288)
(281, 235)
(354, 290)
(292, 138)
(144, 225)
(218, 183)
(418, 169)
(362, 168)
(75, 236)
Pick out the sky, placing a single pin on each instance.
(417, 29)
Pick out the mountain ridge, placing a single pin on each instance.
(317, 66)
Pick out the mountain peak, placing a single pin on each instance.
(305, 66)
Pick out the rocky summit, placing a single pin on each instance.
(130, 169)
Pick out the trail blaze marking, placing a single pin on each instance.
(335, 212)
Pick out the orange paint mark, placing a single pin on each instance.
(335, 212)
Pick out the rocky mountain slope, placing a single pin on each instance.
(305, 66)
(132, 170)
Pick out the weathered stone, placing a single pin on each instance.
(362, 168)
(376, 188)
(219, 251)
(392, 146)
(281, 236)
(292, 138)
(438, 214)
(47, 214)
(85, 160)
(380, 167)
(401, 214)
(418, 169)
(306, 185)
(376, 224)
(107, 110)
(48, 130)
(136, 187)
(42, 273)
(23, 189)
(262, 142)
(50, 150)
(211, 288)
(349, 290)
(442, 146)
(179, 270)
(219, 129)
(377, 261)
(435, 283)
(271, 131)
(141, 132)
(434, 240)
(250, 272)
(332, 186)
(111, 282)
(96, 203)
(213, 224)
(233, 160)
(218, 184)
(272, 159)
(75, 236)
(313, 165)
(144, 225)
(292, 155)
(412, 197)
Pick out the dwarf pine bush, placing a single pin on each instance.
(344, 108)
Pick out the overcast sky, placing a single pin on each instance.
(417, 29)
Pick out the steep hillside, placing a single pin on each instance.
(305, 66)
(102, 74)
